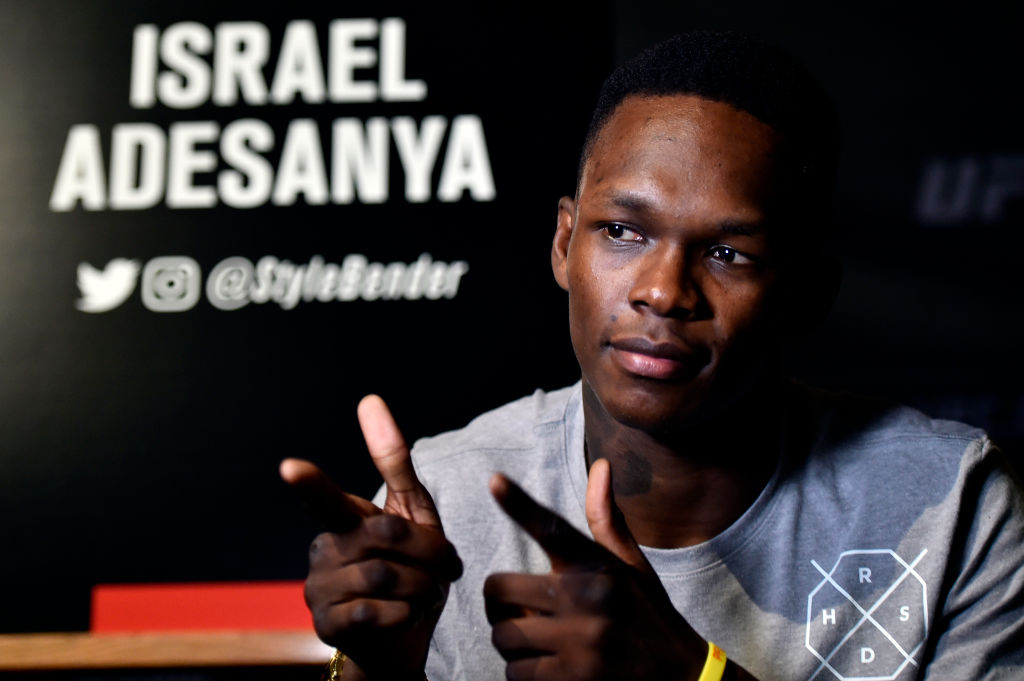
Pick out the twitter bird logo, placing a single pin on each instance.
(104, 290)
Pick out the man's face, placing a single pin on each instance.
(668, 262)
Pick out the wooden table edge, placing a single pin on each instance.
(172, 649)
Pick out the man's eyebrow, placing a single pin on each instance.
(640, 203)
(741, 227)
(631, 201)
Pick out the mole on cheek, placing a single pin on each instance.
(615, 317)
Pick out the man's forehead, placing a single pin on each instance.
(679, 123)
(683, 111)
(653, 146)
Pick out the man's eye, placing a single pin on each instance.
(617, 232)
(729, 255)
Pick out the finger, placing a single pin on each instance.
(364, 615)
(560, 594)
(510, 595)
(338, 511)
(606, 521)
(565, 545)
(546, 635)
(406, 495)
(392, 538)
(374, 578)
(555, 668)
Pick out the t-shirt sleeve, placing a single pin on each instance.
(981, 621)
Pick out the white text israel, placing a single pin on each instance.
(243, 161)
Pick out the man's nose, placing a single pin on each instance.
(664, 284)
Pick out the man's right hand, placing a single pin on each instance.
(378, 578)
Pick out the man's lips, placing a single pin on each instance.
(650, 359)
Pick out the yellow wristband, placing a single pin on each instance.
(714, 665)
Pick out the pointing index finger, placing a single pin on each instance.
(406, 495)
(338, 511)
(566, 546)
(386, 444)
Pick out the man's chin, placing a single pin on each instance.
(658, 408)
(663, 422)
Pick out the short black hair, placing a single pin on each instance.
(750, 75)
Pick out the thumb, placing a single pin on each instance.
(605, 519)
(406, 495)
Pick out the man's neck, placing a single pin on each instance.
(685, 488)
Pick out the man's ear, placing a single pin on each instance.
(560, 244)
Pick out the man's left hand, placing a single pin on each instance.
(601, 613)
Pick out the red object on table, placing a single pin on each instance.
(214, 606)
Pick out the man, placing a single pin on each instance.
(805, 535)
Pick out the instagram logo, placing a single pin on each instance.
(171, 284)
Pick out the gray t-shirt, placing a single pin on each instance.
(886, 545)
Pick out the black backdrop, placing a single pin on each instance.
(142, 446)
